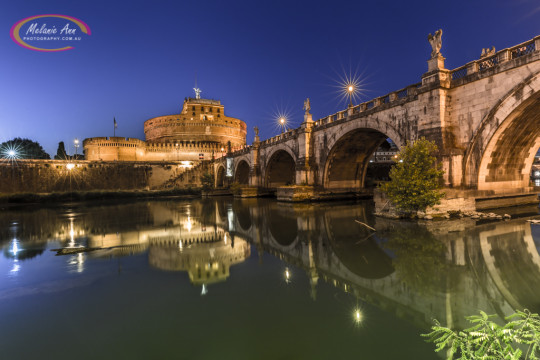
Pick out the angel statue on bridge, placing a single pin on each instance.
(436, 43)
(307, 106)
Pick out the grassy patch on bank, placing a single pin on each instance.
(25, 198)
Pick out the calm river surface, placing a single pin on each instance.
(252, 279)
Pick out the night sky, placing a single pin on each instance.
(258, 58)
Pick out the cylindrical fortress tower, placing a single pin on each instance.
(200, 132)
(201, 121)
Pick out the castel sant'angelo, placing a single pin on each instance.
(199, 132)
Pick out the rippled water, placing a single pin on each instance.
(252, 279)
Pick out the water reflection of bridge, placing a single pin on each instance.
(444, 271)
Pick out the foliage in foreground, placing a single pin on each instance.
(519, 338)
(23, 148)
(207, 181)
(416, 178)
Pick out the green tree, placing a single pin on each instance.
(61, 152)
(207, 181)
(488, 340)
(415, 180)
(23, 149)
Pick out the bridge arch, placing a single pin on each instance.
(280, 169)
(241, 173)
(350, 149)
(501, 153)
(220, 176)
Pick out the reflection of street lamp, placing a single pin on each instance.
(357, 316)
(76, 142)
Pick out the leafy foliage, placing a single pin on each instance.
(489, 340)
(207, 181)
(61, 152)
(235, 188)
(24, 148)
(416, 178)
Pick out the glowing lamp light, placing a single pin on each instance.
(70, 166)
(12, 153)
(357, 316)
(287, 275)
(350, 88)
(282, 120)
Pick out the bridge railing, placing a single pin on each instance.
(289, 134)
(246, 149)
(499, 57)
(396, 96)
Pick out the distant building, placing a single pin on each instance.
(386, 153)
(200, 131)
(535, 174)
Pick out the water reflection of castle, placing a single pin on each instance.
(444, 271)
(181, 242)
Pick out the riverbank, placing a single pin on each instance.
(27, 198)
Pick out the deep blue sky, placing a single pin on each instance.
(256, 57)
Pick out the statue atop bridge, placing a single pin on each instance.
(307, 106)
(436, 43)
(487, 52)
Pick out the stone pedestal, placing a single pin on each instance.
(436, 63)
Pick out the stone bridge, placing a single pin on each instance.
(484, 116)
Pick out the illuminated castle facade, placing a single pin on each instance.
(200, 131)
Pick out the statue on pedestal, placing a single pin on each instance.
(487, 52)
(307, 106)
(436, 43)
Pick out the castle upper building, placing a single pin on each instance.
(200, 131)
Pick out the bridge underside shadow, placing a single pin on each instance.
(280, 170)
(348, 160)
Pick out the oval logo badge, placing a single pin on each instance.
(49, 32)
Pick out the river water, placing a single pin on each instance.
(250, 279)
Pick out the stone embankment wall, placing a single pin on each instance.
(191, 177)
(43, 176)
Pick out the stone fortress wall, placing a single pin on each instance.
(45, 176)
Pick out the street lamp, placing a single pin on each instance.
(76, 142)
(350, 90)
(282, 123)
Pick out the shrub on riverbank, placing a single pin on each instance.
(416, 178)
